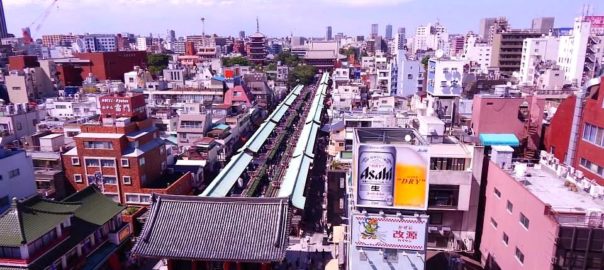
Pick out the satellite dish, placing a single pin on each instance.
(439, 53)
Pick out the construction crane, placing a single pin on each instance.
(40, 19)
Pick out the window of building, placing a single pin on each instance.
(497, 192)
(435, 219)
(125, 162)
(524, 221)
(451, 164)
(98, 145)
(132, 198)
(510, 207)
(127, 180)
(141, 161)
(13, 173)
(77, 178)
(593, 134)
(107, 163)
(519, 255)
(92, 162)
(443, 196)
(494, 223)
(506, 239)
(75, 161)
(145, 198)
(109, 180)
(144, 178)
(410, 76)
(593, 167)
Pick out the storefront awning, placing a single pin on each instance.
(488, 139)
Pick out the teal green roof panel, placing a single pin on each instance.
(298, 199)
(298, 89)
(289, 100)
(279, 113)
(488, 139)
(312, 135)
(224, 181)
(260, 136)
(295, 179)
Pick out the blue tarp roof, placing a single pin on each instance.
(488, 139)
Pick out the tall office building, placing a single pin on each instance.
(242, 34)
(3, 30)
(485, 25)
(374, 30)
(328, 35)
(388, 31)
(400, 39)
(543, 24)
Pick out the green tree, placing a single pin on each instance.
(301, 74)
(231, 61)
(287, 58)
(425, 61)
(271, 67)
(157, 62)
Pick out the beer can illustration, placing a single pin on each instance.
(376, 168)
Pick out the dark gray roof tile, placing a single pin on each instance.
(217, 229)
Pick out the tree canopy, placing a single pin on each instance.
(287, 58)
(238, 60)
(301, 74)
(157, 62)
(425, 61)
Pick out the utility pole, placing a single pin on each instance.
(203, 26)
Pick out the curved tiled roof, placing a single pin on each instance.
(216, 229)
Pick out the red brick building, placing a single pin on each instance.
(103, 65)
(588, 156)
(123, 154)
(19, 62)
(190, 48)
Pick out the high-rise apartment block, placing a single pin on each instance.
(507, 49)
(374, 30)
(388, 34)
(543, 24)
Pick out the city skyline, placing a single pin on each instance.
(277, 18)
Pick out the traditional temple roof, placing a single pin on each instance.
(216, 229)
(28, 220)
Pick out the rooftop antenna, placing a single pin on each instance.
(203, 26)
(257, 25)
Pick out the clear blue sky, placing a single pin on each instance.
(279, 17)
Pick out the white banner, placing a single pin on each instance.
(390, 232)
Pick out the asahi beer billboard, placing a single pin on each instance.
(391, 176)
(391, 232)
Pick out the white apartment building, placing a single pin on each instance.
(572, 51)
(535, 52)
(17, 121)
(79, 106)
(16, 176)
(431, 36)
(477, 52)
(29, 84)
(96, 43)
(444, 87)
(143, 43)
(383, 73)
(406, 75)
(345, 97)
